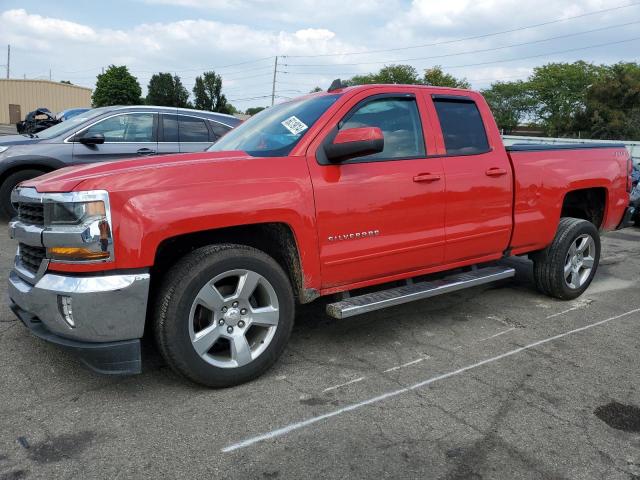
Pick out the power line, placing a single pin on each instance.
(464, 39)
(255, 98)
(487, 63)
(468, 52)
(218, 67)
(545, 54)
(205, 69)
(266, 74)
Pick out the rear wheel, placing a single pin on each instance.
(566, 268)
(7, 210)
(224, 315)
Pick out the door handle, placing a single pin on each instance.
(426, 177)
(146, 151)
(495, 172)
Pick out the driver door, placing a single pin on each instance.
(126, 135)
(383, 214)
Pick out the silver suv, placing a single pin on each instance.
(106, 133)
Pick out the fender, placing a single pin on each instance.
(18, 162)
(203, 192)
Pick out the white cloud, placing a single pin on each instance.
(184, 46)
(214, 33)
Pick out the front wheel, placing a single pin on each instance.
(566, 268)
(224, 315)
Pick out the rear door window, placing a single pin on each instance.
(462, 126)
(191, 129)
(170, 128)
(218, 129)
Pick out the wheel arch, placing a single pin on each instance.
(13, 165)
(587, 204)
(276, 239)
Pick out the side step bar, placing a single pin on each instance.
(416, 291)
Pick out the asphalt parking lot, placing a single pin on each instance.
(493, 382)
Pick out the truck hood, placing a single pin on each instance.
(167, 169)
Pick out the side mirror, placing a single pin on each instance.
(95, 139)
(355, 142)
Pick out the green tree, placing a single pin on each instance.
(66, 82)
(208, 94)
(253, 110)
(116, 86)
(438, 78)
(167, 90)
(315, 89)
(560, 90)
(399, 74)
(612, 104)
(510, 102)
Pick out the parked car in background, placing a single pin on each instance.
(106, 133)
(70, 112)
(36, 121)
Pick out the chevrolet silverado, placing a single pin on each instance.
(406, 190)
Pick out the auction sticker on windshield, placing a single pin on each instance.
(294, 125)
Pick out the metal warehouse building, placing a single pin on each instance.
(19, 97)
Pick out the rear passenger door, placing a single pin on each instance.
(194, 134)
(479, 192)
(185, 133)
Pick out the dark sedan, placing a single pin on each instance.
(106, 133)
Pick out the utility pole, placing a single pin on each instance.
(49, 74)
(273, 87)
(8, 60)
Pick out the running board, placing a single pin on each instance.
(416, 291)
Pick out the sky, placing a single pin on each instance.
(315, 41)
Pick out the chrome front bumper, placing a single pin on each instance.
(105, 308)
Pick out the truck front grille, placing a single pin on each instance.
(31, 257)
(31, 213)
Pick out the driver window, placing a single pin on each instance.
(130, 127)
(399, 120)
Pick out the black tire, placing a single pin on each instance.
(6, 208)
(177, 293)
(549, 264)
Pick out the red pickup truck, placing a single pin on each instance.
(376, 186)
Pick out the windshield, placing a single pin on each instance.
(71, 124)
(276, 130)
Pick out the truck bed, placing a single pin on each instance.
(543, 174)
(538, 147)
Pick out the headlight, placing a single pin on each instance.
(3, 149)
(78, 227)
(72, 213)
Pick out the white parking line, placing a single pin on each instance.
(497, 334)
(355, 406)
(343, 384)
(580, 304)
(405, 365)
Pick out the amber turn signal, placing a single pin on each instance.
(75, 253)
